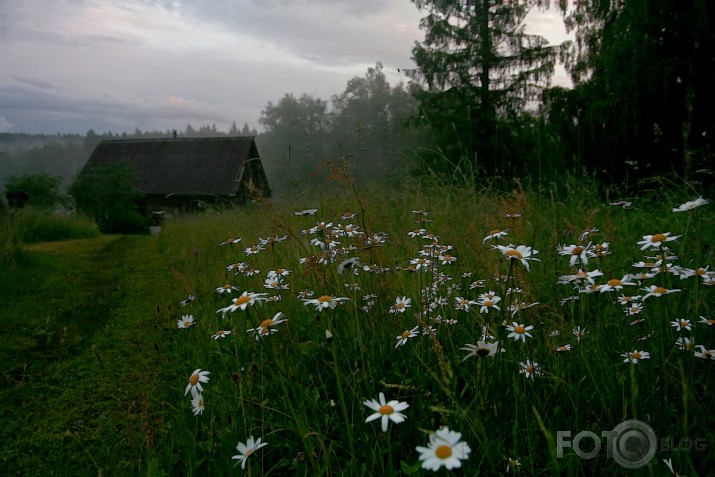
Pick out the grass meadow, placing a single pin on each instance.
(477, 333)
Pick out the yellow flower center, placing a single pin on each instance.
(658, 238)
(530, 369)
(493, 232)
(488, 303)
(660, 290)
(325, 298)
(227, 287)
(219, 333)
(577, 251)
(513, 253)
(274, 284)
(405, 334)
(635, 355)
(519, 329)
(194, 379)
(266, 323)
(683, 323)
(241, 300)
(249, 452)
(384, 410)
(700, 271)
(280, 271)
(400, 306)
(614, 282)
(688, 345)
(265, 331)
(649, 264)
(447, 258)
(443, 452)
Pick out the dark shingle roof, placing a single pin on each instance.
(181, 166)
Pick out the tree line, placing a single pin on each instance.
(479, 103)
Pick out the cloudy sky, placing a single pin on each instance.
(116, 65)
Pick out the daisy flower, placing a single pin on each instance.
(303, 213)
(323, 302)
(487, 304)
(446, 259)
(704, 353)
(685, 343)
(519, 331)
(186, 321)
(195, 380)
(669, 463)
(274, 239)
(625, 300)
(482, 349)
(188, 300)
(197, 402)
(231, 240)
(634, 356)
(220, 334)
(275, 283)
(657, 291)
(254, 249)
(633, 309)
(522, 253)
(401, 304)
(680, 325)
(530, 369)
(266, 326)
(580, 277)
(602, 249)
(494, 234)
(579, 333)
(577, 253)
(461, 303)
(405, 335)
(247, 449)
(444, 449)
(352, 263)
(656, 240)
(226, 289)
(707, 321)
(512, 464)
(244, 301)
(616, 284)
(561, 349)
(691, 204)
(386, 411)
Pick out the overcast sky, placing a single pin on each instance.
(116, 65)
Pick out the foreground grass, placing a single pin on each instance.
(301, 385)
(83, 357)
(96, 368)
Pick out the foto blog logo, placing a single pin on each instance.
(631, 444)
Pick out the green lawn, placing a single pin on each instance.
(84, 325)
(95, 367)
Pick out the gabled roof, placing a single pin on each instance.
(181, 166)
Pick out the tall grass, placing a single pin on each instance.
(302, 385)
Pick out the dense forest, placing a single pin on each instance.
(479, 105)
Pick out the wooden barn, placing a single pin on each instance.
(187, 174)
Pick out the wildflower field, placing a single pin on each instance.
(401, 333)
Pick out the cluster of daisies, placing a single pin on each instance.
(633, 289)
(442, 301)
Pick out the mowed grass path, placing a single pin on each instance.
(82, 357)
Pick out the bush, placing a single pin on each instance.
(35, 225)
(42, 189)
(108, 194)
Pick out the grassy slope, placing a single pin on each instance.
(81, 367)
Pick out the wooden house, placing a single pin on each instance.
(184, 174)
